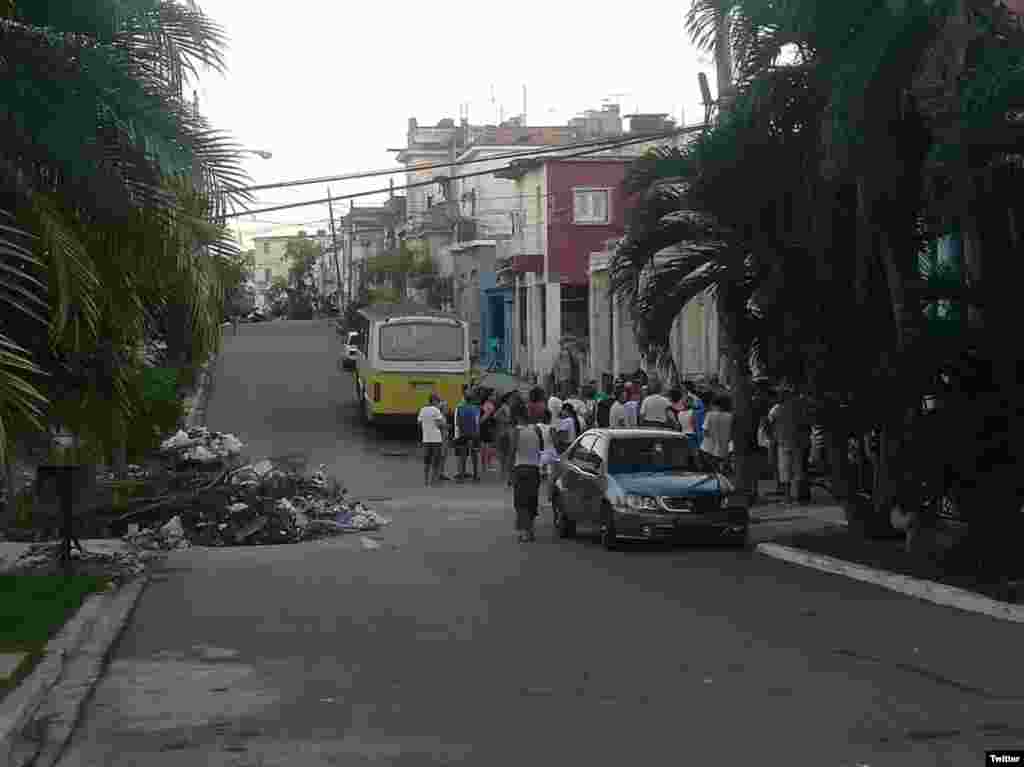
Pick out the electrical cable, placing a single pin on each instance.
(492, 171)
(508, 155)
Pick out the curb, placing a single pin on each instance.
(930, 591)
(39, 716)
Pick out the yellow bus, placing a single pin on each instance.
(404, 352)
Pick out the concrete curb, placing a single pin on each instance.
(938, 593)
(39, 716)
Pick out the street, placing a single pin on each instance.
(451, 643)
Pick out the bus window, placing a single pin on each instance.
(422, 341)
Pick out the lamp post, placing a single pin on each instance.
(262, 153)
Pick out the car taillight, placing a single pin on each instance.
(376, 392)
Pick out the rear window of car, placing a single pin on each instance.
(637, 454)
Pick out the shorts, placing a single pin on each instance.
(463, 445)
(791, 463)
(431, 453)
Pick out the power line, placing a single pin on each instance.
(417, 184)
(401, 170)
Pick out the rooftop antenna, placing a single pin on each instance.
(493, 102)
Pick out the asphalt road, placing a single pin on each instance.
(451, 643)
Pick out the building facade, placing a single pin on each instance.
(568, 209)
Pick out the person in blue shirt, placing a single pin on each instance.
(467, 435)
(697, 406)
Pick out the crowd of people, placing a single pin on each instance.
(520, 438)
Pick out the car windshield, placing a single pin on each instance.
(637, 454)
(422, 341)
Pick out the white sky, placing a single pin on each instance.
(329, 87)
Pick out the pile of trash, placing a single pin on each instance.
(270, 502)
(200, 445)
(107, 558)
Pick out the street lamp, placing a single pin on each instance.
(263, 153)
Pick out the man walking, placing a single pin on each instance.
(432, 424)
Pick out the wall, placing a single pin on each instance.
(569, 245)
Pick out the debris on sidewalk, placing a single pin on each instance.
(200, 445)
(270, 501)
(111, 558)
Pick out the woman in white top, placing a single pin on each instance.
(717, 433)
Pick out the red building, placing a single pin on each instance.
(568, 209)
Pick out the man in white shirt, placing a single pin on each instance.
(617, 417)
(432, 424)
(555, 408)
(580, 407)
(654, 409)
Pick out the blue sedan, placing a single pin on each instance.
(643, 484)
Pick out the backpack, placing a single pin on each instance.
(469, 421)
(603, 413)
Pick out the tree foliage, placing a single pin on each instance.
(112, 181)
(858, 135)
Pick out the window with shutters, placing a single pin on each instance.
(591, 205)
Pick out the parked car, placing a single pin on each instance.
(643, 484)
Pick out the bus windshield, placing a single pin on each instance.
(422, 342)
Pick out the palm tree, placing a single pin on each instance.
(834, 94)
(117, 178)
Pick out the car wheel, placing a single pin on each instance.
(565, 526)
(609, 538)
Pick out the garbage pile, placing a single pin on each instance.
(200, 445)
(269, 502)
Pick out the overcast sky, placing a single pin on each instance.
(329, 87)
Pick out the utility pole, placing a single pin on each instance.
(348, 254)
(334, 249)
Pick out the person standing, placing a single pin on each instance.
(524, 467)
(717, 434)
(432, 424)
(446, 411)
(554, 405)
(617, 416)
(791, 427)
(633, 397)
(696, 406)
(467, 436)
(579, 406)
(603, 409)
(504, 424)
(677, 408)
(654, 410)
(569, 427)
(488, 432)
